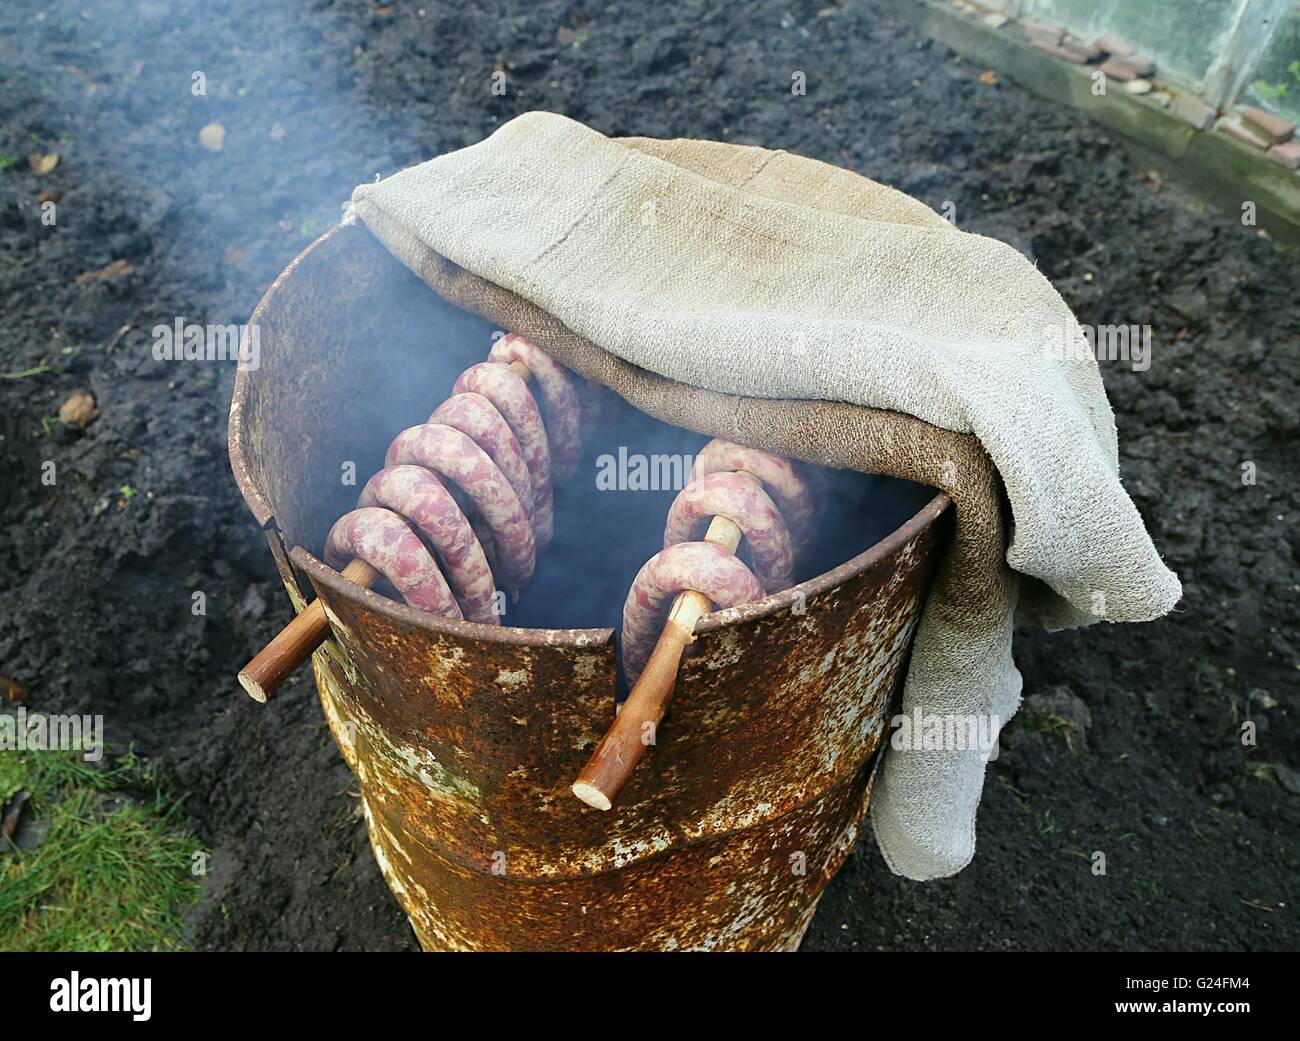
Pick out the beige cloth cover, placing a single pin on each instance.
(794, 306)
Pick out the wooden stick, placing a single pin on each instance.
(638, 720)
(295, 643)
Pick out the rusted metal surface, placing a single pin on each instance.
(465, 737)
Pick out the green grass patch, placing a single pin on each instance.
(113, 870)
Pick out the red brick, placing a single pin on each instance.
(1275, 128)
(1191, 109)
(1234, 129)
(1062, 52)
(1134, 63)
(1287, 154)
(1112, 67)
(1089, 51)
(1113, 43)
(1041, 32)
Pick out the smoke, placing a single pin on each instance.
(232, 157)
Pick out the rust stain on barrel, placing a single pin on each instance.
(466, 737)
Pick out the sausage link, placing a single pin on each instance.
(743, 501)
(417, 495)
(457, 457)
(502, 386)
(473, 415)
(711, 569)
(780, 479)
(382, 540)
(563, 413)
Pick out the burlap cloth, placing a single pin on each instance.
(783, 303)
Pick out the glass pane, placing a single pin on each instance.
(1183, 36)
(1275, 83)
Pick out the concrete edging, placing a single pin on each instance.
(1226, 170)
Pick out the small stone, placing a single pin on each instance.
(1060, 708)
(994, 20)
(43, 162)
(1287, 778)
(78, 411)
(1138, 87)
(212, 137)
(1151, 180)
(1287, 153)
(1259, 696)
(253, 605)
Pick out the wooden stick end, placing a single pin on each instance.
(592, 796)
(253, 688)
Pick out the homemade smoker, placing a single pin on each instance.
(466, 736)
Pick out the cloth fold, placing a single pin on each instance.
(795, 306)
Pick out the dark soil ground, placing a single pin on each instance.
(1199, 831)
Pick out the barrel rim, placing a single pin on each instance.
(236, 436)
(324, 575)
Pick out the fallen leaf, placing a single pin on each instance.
(1151, 180)
(112, 270)
(43, 163)
(989, 77)
(78, 411)
(13, 809)
(212, 137)
(49, 195)
(13, 690)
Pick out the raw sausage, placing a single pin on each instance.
(458, 458)
(780, 480)
(473, 415)
(382, 539)
(416, 494)
(502, 386)
(742, 500)
(563, 413)
(711, 569)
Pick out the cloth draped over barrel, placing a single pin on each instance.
(784, 303)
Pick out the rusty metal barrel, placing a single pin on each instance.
(465, 737)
